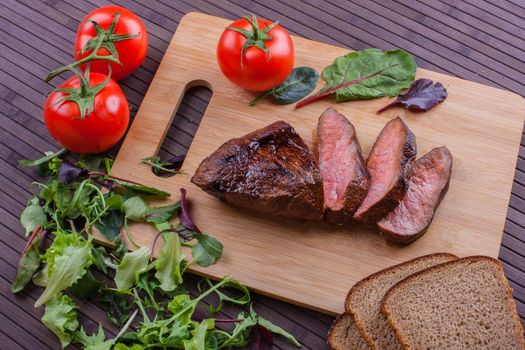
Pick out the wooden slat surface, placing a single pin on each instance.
(483, 41)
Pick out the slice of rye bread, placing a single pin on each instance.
(344, 335)
(364, 299)
(463, 304)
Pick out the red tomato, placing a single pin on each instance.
(98, 130)
(131, 51)
(255, 70)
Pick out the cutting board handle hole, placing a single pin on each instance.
(184, 124)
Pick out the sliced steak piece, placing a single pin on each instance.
(394, 148)
(345, 177)
(270, 170)
(429, 179)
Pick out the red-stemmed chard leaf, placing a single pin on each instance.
(422, 95)
(366, 74)
(184, 213)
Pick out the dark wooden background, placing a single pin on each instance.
(483, 41)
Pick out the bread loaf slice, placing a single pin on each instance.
(344, 335)
(463, 304)
(364, 299)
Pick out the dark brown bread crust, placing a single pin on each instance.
(392, 198)
(332, 339)
(391, 268)
(359, 284)
(270, 170)
(509, 299)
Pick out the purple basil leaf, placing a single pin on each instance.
(184, 214)
(422, 95)
(261, 338)
(69, 172)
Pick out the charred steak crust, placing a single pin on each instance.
(428, 184)
(270, 170)
(390, 199)
(345, 176)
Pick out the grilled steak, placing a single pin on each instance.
(429, 179)
(345, 178)
(394, 148)
(270, 170)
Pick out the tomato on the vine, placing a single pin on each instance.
(125, 37)
(87, 115)
(255, 54)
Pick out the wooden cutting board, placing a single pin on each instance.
(314, 264)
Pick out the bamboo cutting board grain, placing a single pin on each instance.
(314, 264)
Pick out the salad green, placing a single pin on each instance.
(144, 295)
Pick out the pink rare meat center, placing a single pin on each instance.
(337, 162)
(384, 164)
(428, 181)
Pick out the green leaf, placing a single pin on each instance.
(111, 223)
(114, 201)
(132, 265)
(46, 158)
(159, 215)
(243, 297)
(67, 259)
(60, 317)
(99, 255)
(366, 74)
(273, 328)
(117, 307)
(27, 267)
(92, 162)
(207, 250)
(33, 216)
(135, 208)
(300, 83)
(74, 199)
(141, 188)
(86, 287)
(240, 336)
(41, 279)
(388, 73)
(182, 306)
(120, 248)
(169, 263)
(121, 346)
(198, 339)
(96, 341)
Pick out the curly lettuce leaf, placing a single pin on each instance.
(198, 339)
(96, 341)
(67, 260)
(60, 317)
